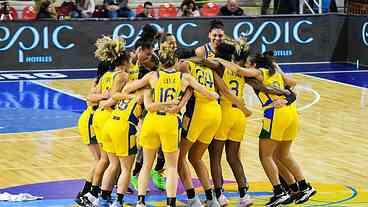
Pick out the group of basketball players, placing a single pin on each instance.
(178, 103)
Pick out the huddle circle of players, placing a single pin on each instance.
(176, 104)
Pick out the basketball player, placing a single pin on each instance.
(202, 119)
(87, 133)
(168, 86)
(215, 35)
(119, 130)
(148, 61)
(278, 132)
(231, 131)
(102, 114)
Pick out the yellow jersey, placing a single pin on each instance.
(276, 80)
(204, 76)
(129, 110)
(106, 81)
(233, 82)
(133, 72)
(168, 87)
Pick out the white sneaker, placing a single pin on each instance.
(305, 195)
(194, 202)
(116, 204)
(90, 200)
(213, 203)
(140, 205)
(245, 201)
(223, 200)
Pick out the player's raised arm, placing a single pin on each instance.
(138, 84)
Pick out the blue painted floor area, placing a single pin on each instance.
(26, 106)
(353, 78)
(344, 73)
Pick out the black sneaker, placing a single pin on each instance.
(89, 200)
(305, 195)
(277, 199)
(79, 199)
(292, 198)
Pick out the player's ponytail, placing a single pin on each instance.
(265, 62)
(111, 51)
(167, 55)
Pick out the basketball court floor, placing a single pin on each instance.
(42, 153)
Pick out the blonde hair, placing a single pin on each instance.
(241, 47)
(167, 54)
(109, 50)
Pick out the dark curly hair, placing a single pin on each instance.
(263, 61)
(216, 24)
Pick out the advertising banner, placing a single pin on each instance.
(48, 45)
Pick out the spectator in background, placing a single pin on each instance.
(86, 8)
(281, 6)
(266, 6)
(68, 9)
(231, 9)
(118, 8)
(148, 10)
(188, 8)
(46, 10)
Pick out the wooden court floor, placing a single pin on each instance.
(332, 146)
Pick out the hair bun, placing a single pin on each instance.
(108, 49)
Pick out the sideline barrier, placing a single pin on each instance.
(42, 45)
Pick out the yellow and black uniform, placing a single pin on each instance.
(204, 114)
(233, 120)
(101, 115)
(85, 126)
(208, 51)
(163, 129)
(134, 72)
(121, 129)
(280, 124)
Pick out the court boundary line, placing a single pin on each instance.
(353, 195)
(317, 97)
(333, 81)
(48, 70)
(80, 97)
(333, 72)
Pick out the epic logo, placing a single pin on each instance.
(269, 32)
(37, 37)
(127, 31)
